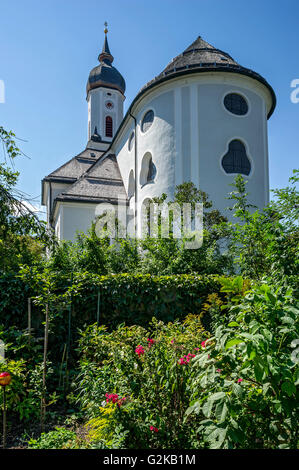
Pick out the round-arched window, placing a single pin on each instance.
(147, 120)
(131, 185)
(148, 169)
(236, 104)
(131, 141)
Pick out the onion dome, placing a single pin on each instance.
(105, 75)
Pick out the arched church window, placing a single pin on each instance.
(151, 171)
(131, 141)
(236, 104)
(131, 185)
(109, 127)
(236, 159)
(148, 169)
(147, 120)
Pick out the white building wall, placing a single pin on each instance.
(190, 135)
(73, 217)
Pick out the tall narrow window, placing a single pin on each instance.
(151, 171)
(148, 169)
(109, 126)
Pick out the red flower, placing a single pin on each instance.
(114, 398)
(186, 359)
(203, 344)
(139, 350)
(150, 342)
(152, 428)
(111, 397)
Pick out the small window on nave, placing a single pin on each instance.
(148, 169)
(131, 141)
(147, 120)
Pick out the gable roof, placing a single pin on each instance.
(102, 183)
(75, 167)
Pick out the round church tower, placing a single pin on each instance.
(105, 96)
(203, 119)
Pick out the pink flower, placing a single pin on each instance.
(240, 380)
(150, 342)
(111, 397)
(203, 344)
(196, 349)
(172, 341)
(186, 359)
(139, 350)
(114, 398)
(152, 428)
(218, 370)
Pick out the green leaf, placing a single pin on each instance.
(289, 388)
(207, 408)
(232, 342)
(216, 396)
(221, 411)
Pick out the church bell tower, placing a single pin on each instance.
(105, 96)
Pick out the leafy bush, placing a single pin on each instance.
(244, 387)
(61, 438)
(22, 397)
(134, 384)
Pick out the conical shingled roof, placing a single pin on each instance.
(201, 56)
(200, 53)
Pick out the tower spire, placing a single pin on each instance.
(106, 54)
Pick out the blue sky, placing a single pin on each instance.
(48, 48)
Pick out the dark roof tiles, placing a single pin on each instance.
(101, 183)
(78, 165)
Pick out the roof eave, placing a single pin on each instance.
(186, 71)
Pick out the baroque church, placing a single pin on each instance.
(202, 119)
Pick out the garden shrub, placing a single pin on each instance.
(60, 438)
(244, 384)
(134, 383)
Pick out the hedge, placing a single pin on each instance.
(124, 298)
(135, 299)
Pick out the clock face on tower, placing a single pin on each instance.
(109, 105)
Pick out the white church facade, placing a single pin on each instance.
(203, 119)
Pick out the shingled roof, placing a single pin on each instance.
(102, 183)
(74, 168)
(201, 56)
